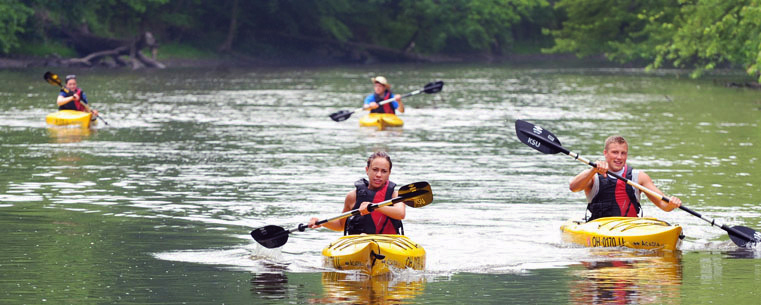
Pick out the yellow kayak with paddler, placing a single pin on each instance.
(374, 254)
(630, 232)
(380, 120)
(70, 117)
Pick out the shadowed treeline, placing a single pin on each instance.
(700, 35)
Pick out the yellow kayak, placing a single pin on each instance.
(69, 117)
(380, 120)
(374, 254)
(630, 232)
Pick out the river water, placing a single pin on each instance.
(157, 206)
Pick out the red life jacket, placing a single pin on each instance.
(385, 108)
(382, 223)
(375, 222)
(615, 197)
(77, 103)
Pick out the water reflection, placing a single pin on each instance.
(356, 288)
(69, 134)
(752, 253)
(270, 285)
(628, 277)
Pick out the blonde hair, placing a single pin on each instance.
(615, 139)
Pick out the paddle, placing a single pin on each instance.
(546, 142)
(415, 195)
(433, 87)
(53, 79)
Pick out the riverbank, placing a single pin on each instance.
(234, 60)
(734, 78)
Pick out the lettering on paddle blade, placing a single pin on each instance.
(533, 142)
(538, 130)
(419, 202)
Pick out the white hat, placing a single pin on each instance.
(381, 80)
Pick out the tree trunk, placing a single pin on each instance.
(227, 45)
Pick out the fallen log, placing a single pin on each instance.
(131, 49)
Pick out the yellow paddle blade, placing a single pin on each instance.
(420, 192)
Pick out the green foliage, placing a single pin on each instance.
(335, 27)
(13, 16)
(183, 51)
(700, 34)
(622, 30)
(466, 26)
(454, 26)
(43, 49)
(710, 33)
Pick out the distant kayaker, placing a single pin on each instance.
(608, 196)
(382, 92)
(377, 188)
(74, 98)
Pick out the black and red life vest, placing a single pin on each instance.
(614, 197)
(75, 104)
(385, 108)
(375, 222)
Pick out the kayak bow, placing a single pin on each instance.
(374, 254)
(630, 232)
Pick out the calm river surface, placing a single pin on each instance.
(157, 206)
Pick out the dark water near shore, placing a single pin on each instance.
(157, 206)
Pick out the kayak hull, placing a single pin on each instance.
(380, 120)
(69, 117)
(630, 232)
(374, 254)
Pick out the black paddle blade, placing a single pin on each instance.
(433, 87)
(341, 115)
(416, 194)
(52, 78)
(270, 236)
(538, 138)
(741, 240)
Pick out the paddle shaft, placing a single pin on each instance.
(415, 195)
(381, 103)
(354, 212)
(652, 193)
(429, 88)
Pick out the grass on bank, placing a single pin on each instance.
(181, 51)
(44, 49)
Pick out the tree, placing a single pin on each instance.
(466, 25)
(709, 33)
(697, 34)
(13, 17)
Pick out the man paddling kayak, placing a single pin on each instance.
(377, 188)
(382, 92)
(73, 99)
(608, 196)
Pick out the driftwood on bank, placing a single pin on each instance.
(102, 49)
